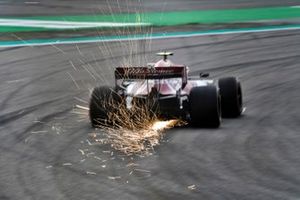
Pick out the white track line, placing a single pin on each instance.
(32, 2)
(63, 24)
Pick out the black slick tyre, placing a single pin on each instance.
(231, 97)
(205, 106)
(101, 102)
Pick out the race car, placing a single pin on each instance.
(170, 93)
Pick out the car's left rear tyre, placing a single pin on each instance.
(205, 106)
(103, 101)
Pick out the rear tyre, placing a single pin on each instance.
(103, 101)
(231, 97)
(205, 106)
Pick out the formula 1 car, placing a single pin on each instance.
(200, 101)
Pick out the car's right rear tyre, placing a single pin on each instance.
(205, 106)
(103, 101)
(231, 97)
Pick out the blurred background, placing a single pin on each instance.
(53, 53)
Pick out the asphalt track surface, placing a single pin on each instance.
(252, 157)
(42, 137)
(63, 7)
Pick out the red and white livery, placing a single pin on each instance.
(200, 100)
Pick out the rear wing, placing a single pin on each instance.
(145, 73)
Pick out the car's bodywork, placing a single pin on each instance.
(168, 90)
(165, 83)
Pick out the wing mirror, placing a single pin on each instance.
(203, 75)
